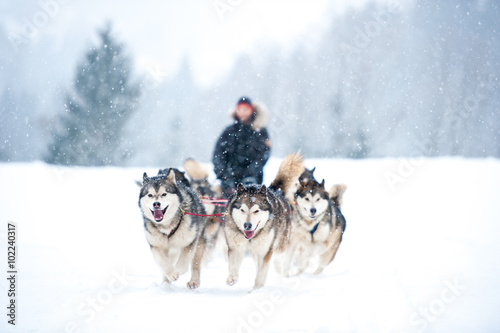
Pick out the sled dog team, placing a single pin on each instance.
(295, 219)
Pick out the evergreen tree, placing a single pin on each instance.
(97, 111)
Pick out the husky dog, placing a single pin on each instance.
(307, 175)
(318, 225)
(201, 185)
(259, 221)
(176, 239)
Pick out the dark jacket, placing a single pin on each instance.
(242, 151)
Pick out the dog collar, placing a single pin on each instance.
(176, 227)
(313, 230)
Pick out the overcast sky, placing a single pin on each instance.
(160, 33)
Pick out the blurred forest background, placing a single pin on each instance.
(418, 78)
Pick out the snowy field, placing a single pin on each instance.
(420, 254)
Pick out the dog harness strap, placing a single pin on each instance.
(215, 204)
(187, 213)
(176, 227)
(313, 230)
(214, 201)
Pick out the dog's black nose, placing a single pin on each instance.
(156, 204)
(313, 211)
(247, 226)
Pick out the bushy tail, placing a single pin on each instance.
(288, 174)
(336, 194)
(195, 170)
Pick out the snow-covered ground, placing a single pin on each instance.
(420, 254)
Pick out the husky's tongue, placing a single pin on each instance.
(158, 214)
(249, 233)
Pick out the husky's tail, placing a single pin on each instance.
(195, 170)
(336, 194)
(288, 174)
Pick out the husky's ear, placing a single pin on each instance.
(322, 184)
(263, 189)
(240, 188)
(171, 176)
(145, 179)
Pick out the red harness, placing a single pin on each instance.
(204, 215)
(214, 201)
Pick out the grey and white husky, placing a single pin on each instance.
(317, 227)
(176, 239)
(259, 221)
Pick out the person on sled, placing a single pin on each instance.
(243, 148)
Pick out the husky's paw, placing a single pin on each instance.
(299, 271)
(193, 284)
(172, 276)
(231, 280)
(259, 283)
(318, 271)
(257, 286)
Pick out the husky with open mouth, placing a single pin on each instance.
(176, 239)
(259, 221)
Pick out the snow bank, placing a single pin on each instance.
(419, 255)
